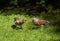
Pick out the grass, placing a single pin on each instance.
(7, 33)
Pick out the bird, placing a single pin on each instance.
(19, 21)
(38, 21)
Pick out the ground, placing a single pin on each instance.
(7, 33)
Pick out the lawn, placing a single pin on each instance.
(7, 33)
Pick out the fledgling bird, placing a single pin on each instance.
(19, 21)
(40, 21)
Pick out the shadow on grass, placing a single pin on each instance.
(15, 27)
(39, 27)
(34, 28)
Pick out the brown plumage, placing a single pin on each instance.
(19, 21)
(39, 21)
